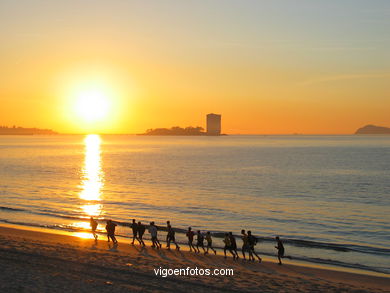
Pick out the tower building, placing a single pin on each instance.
(213, 124)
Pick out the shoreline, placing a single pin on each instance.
(75, 251)
(84, 233)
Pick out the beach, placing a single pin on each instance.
(37, 261)
(258, 130)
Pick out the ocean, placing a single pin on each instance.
(327, 197)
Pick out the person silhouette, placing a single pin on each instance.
(199, 241)
(153, 234)
(134, 228)
(228, 245)
(190, 235)
(110, 228)
(93, 223)
(280, 249)
(171, 238)
(209, 243)
(141, 231)
(252, 241)
(167, 240)
(245, 245)
(233, 245)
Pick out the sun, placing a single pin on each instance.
(92, 105)
(94, 100)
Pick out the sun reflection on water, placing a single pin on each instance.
(83, 235)
(92, 176)
(92, 210)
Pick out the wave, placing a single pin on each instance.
(331, 246)
(216, 234)
(44, 213)
(11, 209)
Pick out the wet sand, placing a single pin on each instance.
(33, 261)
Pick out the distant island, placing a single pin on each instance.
(5, 130)
(176, 130)
(372, 129)
(213, 128)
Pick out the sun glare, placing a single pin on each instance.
(92, 177)
(92, 174)
(83, 235)
(94, 98)
(92, 105)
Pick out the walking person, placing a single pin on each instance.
(252, 241)
(209, 243)
(171, 238)
(233, 245)
(280, 249)
(190, 235)
(110, 228)
(167, 238)
(245, 245)
(141, 231)
(93, 223)
(227, 245)
(153, 234)
(134, 227)
(199, 241)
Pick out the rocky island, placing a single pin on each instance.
(372, 129)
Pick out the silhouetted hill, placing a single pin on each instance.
(4, 130)
(372, 129)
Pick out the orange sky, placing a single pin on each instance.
(322, 68)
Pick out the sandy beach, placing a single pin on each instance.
(35, 261)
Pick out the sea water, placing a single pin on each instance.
(327, 197)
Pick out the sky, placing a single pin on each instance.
(269, 67)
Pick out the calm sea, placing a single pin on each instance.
(326, 196)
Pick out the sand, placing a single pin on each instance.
(33, 261)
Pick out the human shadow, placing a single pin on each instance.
(94, 245)
(112, 247)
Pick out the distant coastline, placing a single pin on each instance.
(178, 131)
(5, 130)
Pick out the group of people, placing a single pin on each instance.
(248, 245)
(110, 228)
(249, 241)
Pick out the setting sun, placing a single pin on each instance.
(226, 145)
(92, 105)
(94, 99)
